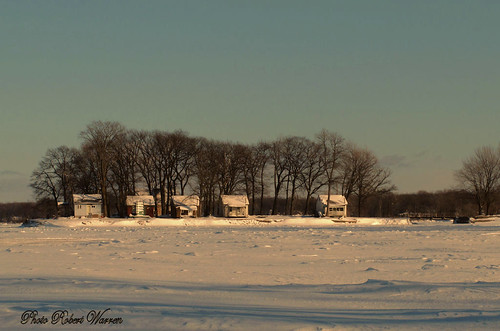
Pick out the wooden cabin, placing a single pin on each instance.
(140, 205)
(87, 205)
(337, 207)
(186, 206)
(234, 206)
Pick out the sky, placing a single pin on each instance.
(416, 82)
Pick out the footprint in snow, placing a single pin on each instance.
(491, 267)
(432, 266)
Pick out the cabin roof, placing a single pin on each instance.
(235, 200)
(87, 198)
(334, 199)
(186, 202)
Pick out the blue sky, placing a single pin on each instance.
(415, 81)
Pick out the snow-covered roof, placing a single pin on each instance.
(235, 200)
(148, 200)
(334, 199)
(87, 198)
(186, 202)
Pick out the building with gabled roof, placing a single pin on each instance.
(234, 205)
(87, 205)
(140, 205)
(186, 206)
(337, 207)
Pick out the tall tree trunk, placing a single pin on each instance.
(261, 191)
(56, 204)
(286, 194)
(292, 198)
(253, 197)
(306, 208)
(359, 205)
(329, 195)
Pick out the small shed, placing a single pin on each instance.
(87, 205)
(337, 208)
(140, 205)
(186, 205)
(234, 205)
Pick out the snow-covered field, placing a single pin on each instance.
(253, 274)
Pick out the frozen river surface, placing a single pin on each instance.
(251, 276)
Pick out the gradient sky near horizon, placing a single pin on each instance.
(417, 82)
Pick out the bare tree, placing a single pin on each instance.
(254, 160)
(294, 152)
(85, 178)
(63, 159)
(332, 150)
(183, 156)
(363, 176)
(53, 178)
(99, 138)
(163, 147)
(123, 171)
(480, 175)
(229, 166)
(278, 162)
(178, 154)
(144, 144)
(205, 167)
(262, 155)
(312, 176)
(250, 173)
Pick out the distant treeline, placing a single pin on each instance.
(279, 177)
(21, 211)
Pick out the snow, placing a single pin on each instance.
(235, 200)
(186, 202)
(335, 199)
(269, 273)
(79, 198)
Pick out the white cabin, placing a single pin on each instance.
(87, 205)
(186, 205)
(337, 208)
(234, 205)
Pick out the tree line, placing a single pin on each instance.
(116, 162)
(279, 177)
